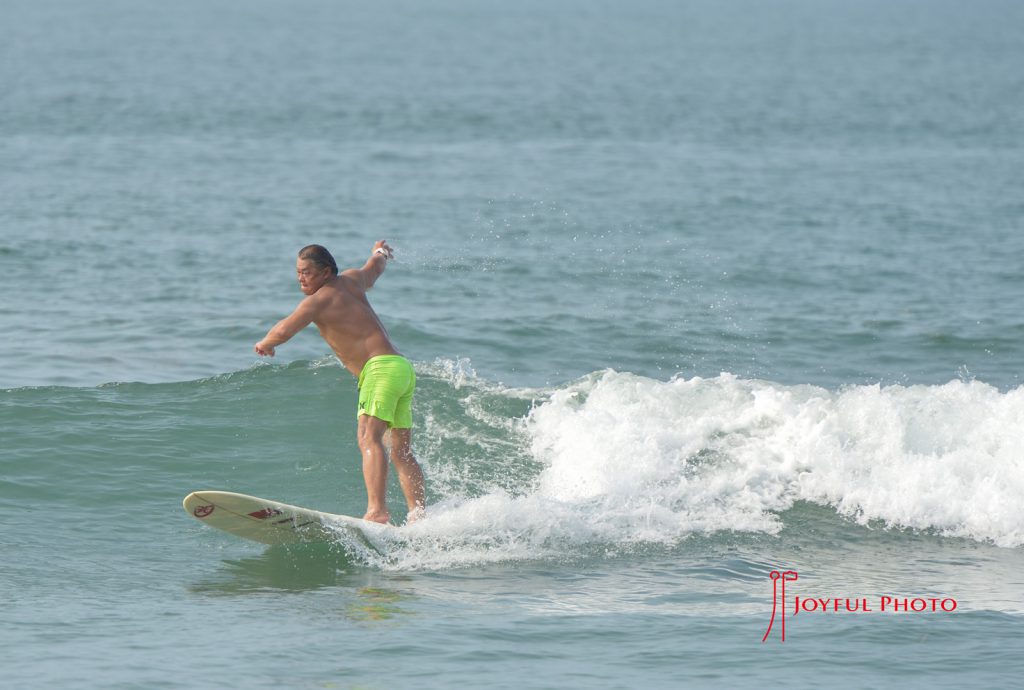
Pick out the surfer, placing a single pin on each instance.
(337, 304)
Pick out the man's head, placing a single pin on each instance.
(314, 267)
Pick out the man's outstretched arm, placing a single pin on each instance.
(287, 327)
(374, 266)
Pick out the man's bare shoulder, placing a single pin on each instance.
(352, 280)
(312, 304)
(336, 293)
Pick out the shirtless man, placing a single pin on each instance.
(337, 304)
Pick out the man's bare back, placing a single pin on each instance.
(348, 323)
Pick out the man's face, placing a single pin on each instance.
(311, 277)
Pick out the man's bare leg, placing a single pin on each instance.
(410, 476)
(370, 434)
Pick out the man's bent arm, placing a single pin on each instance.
(287, 327)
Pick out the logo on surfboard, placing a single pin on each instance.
(265, 513)
(203, 511)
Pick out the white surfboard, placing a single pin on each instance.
(273, 522)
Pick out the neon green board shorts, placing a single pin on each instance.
(386, 385)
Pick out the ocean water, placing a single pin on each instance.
(696, 292)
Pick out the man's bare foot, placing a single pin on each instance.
(415, 514)
(380, 516)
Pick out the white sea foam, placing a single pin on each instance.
(625, 459)
(728, 453)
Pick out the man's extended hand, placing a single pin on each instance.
(383, 244)
(264, 350)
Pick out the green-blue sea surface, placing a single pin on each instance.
(696, 291)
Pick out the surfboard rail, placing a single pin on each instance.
(272, 522)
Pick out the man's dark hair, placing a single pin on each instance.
(320, 256)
